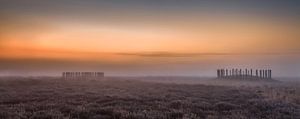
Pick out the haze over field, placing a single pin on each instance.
(143, 37)
(149, 59)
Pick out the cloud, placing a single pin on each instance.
(170, 54)
(174, 54)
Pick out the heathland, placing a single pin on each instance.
(147, 98)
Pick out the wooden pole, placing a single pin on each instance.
(263, 73)
(256, 73)
(270, 74)
(260, 74)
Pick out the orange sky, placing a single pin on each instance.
(143, 32)
(208, 35)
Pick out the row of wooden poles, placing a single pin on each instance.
(246, 73)
(82, 75)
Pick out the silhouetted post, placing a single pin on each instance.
(226, 73)
(63, 75)
(66, 75)
(246, 73)
(243, 74)
(82, 75)
(71, 75)
(220, 73)
(223, 75)
(240, 73)
(86, 75)
(270, 74)
(260, 74)
(236, 73)
(74, 75)
(256, 73)
(94, 75)
(266, 74)
(263, 74)
(233, 73)
(251, 73)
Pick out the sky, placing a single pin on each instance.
(148, 37)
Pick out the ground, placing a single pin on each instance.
(147, 98)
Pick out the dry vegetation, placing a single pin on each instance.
(115, 98)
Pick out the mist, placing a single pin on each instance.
(201, 66)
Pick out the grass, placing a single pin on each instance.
(119, 98)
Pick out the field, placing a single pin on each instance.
(147, 98)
